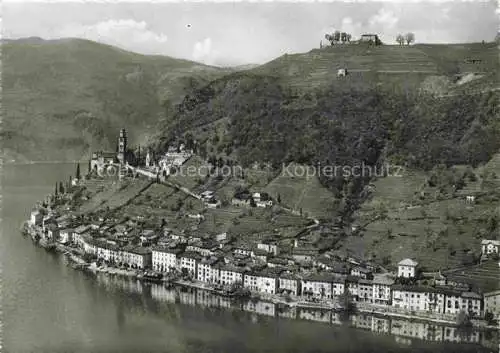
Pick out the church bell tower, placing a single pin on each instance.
(122, 146)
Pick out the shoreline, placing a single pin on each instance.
(78, 263)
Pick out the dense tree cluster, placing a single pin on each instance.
(270, 123)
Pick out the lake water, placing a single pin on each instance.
(49, 307)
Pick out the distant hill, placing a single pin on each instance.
(63, 97)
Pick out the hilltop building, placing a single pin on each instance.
(490, 247)
(370, 38)
(407, 268)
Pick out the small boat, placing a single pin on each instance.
(153, 277)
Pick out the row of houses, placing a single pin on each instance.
(262, 268)
(379, 289)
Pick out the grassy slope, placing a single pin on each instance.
(415, 230)
(406, 67)
(60, 96)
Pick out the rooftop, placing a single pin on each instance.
(407, 262)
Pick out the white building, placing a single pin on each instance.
(208, 271)
(414, 298)
(492, 303)
(188, 261)
(165, 259)
(317, 286)
(66, 235)
(36, 218)
(289, 283)
(490, 247)
(267, 281)
(468, 302)
(381, 286)
(269, 246)
(231, 274)
(135, 256)
(107, 252)
(407, 268)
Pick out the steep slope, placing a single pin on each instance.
(62, 97)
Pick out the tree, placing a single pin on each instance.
(336, 36)
(400, 39)
(78, 176)
(409, 38)
(279, 199)
(252, 202)
(55, 192)
(61, 188)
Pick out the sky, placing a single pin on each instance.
(239, 33)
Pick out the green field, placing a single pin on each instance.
(301, 192)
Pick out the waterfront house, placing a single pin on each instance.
(66, 235)
(250, 281)
(165, 259)
(365, 290)
(208, 271)
(352, 286)
(188, 261)
(418, 298)
(492, 303)
(267, 280)
(53, 232)
(88, 244)
(457, 301)
(230, 274)
(490, 247)
(107, 251)
(289, 282)
(36, 218)
(136, 256)
(407, 268)
(381, 284)
(317, 285)
(78, 233)
(338, 285)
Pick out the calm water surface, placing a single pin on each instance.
(49, 307)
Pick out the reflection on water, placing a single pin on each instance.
(403, 331)
(49, 308)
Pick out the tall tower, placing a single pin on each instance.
(122, 146)
(122, 153)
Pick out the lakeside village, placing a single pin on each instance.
(261, 268)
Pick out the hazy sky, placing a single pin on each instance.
(243, 33)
